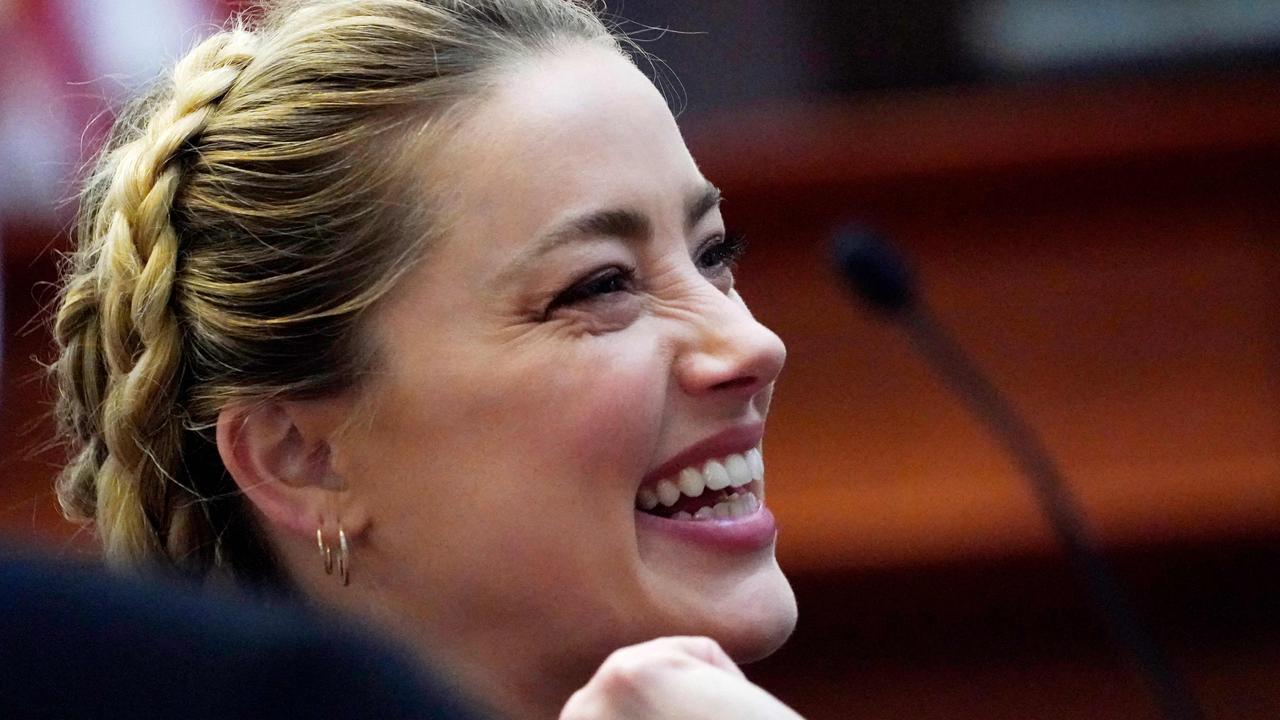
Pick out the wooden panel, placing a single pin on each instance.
(1232, 684)
(1015, 638)
(1149, 366)
(879, 139)
(1128, 302)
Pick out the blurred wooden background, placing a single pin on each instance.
(1110, 252)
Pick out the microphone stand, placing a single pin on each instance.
(880, 277)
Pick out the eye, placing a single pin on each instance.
(596, 287)
(721, 254)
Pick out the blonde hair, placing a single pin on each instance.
(239, 223)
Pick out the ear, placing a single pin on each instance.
(281, 455)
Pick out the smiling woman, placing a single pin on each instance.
(431, 296)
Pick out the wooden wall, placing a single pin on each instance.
(1110, 252)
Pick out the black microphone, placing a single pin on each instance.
(880, 277)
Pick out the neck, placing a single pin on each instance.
(501, 669)
(501, 661)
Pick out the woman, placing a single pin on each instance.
(423, 310)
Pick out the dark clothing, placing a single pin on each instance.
(79, 643)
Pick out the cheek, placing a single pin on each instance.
(614, 408)
(564, 420)
(491, 486)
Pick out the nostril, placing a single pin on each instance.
(736, 383)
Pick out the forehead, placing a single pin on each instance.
(566, 133)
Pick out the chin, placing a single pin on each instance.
(762, 623)
(717, 580)
(750, 616)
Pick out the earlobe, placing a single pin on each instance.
(282, 460)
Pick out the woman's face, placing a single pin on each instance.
(558, 361)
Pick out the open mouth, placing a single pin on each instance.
(718, 489)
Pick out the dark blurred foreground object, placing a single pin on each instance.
(78, 643)
(880, 277)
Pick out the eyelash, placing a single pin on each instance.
(724, 251)
(609, 281)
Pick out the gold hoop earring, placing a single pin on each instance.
(326, 553)
(344, 558)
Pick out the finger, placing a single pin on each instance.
(584, 704)
(700, 648)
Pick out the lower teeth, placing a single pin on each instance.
(734, 507)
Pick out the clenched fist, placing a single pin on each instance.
(689, 678)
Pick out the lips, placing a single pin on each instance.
(710, 495)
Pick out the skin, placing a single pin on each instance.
(486, 473)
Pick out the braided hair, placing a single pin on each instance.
(241, 220)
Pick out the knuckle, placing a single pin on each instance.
(631, 670)
(628, 673)
(707, 645)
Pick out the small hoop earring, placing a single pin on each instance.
(326, 553)
(344, 558)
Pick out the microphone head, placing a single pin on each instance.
(875, 271)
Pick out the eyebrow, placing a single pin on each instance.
(624, 223)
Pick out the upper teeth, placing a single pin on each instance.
(733, 470)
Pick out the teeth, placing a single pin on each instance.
(668, 493)
(756, 461)
(736, 506)
(691, 482)
(738, 469)
(732, 471)
(716, 476)
(647, 498)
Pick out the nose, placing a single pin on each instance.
(728, 352)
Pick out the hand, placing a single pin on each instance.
(689, 678)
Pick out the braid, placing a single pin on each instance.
(238, 228)
(121, 345)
